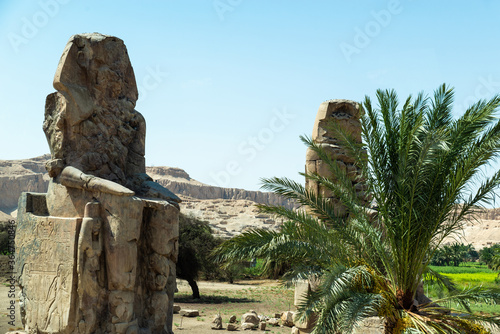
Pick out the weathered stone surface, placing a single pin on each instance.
(17, 176)
(273, 321)
(372, 325)
(189, 313)
(287, 318)
(93, 254)
(177, 308)
(250, 317)
(248, 325)
(232, 319)
(231, 327)
(45, 245)
(346, 115)
(217, 322)
(262, 326)
(95, 104)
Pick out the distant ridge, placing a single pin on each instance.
(229, 211)
(17, 176)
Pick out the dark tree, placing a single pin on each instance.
(188, 267)
(195, 245)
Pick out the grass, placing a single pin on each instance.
(465, 276)
(270, 298)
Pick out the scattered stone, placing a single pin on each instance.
(231, 327)
(295, 330)
(232, 319)
(263, 318)
(287, 318)
(189, 313)
(277, 315)
(217, 321)
(273, 321)
(250, 317)
(262, 326)
(248, 325)
(177, 309)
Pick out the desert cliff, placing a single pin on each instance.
(228, 210)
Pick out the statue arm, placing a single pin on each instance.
(74, 178)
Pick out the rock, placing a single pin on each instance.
(248, 325)
(17, 176)
(91, 220)
(250, 317)
(302, 289)
(277, 315)
(232, 319)
(295, 330)
(262, 326)
(263, 318)
(274, 321)
(372, 325)
(176, 308)
(217, 322)
(178, 181)
(287, 318)
(189, 313)
(231, 327)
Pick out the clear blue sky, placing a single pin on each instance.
(227, 86)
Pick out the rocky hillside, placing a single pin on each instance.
(17, 176)
(180, 183)
(228, 217)
(228, 210)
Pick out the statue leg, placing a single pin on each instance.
(122, 222)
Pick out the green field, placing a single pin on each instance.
(467, 275)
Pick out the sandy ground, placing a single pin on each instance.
(184, 325)
(189, 325)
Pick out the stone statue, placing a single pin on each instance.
(346, 114)
(97, 252)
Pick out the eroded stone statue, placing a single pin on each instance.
(97, 252)
(346, 114)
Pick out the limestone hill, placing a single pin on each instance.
(228, 210)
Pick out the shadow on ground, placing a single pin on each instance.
(207, 299)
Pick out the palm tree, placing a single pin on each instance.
(421, 168)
